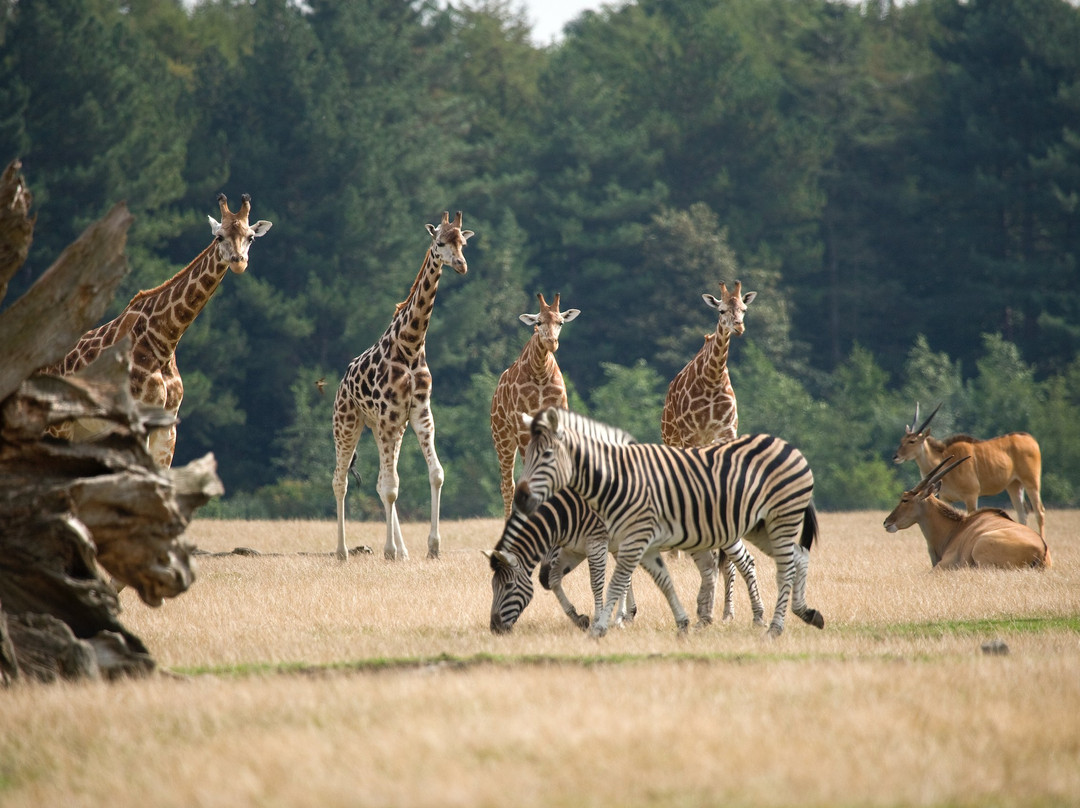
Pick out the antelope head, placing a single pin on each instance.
(548, 323)
(913, 503)
(914, 438)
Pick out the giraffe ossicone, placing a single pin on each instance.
(156, 319)
(532, 383)
(388, 388)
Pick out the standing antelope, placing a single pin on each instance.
(984, 538)
(1010, 462)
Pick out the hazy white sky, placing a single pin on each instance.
(549, 16)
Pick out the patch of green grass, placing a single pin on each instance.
(983, 626)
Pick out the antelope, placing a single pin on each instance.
(1010, 463)
(984, 538)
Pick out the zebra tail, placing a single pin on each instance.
(809, 526)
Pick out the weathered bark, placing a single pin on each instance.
(78, 517)
(16, 224)
(41, 327)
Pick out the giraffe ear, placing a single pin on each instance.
(215, 226)
(529, 319)
(570, 314)
(748, 298)
(467, 234)
(431, 229)
(260, 227)
(711, 301)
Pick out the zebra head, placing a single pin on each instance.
(511, 589)
(547, 466)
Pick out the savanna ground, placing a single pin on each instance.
(293, 679)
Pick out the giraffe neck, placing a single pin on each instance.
(410, 324)
(171, 307)
(536, 360)
(714, 367)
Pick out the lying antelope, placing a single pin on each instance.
(984, 538)
(1010, 463)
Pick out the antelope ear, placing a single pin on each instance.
(529, 319)
(711, 301)
(215, 226)
(260, 227)
(934, 489)
(570, 314)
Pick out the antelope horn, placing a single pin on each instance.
(929, 418)
(939, 472)
(457, 220)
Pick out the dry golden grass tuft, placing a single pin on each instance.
(294, 679)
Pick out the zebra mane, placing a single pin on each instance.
(590, 428)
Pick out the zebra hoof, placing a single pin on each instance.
(814, 618)
(759, 621)
(596, 632)
(582, 622)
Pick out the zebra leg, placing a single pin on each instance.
(562, 563)
(706, 561)
(798, 591)
(744, 562)
(654, 565)
(596, 549)
(630, 552)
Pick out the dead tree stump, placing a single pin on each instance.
(79, 516)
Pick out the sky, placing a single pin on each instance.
(549, 16)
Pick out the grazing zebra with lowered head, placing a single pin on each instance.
(557, 536)
(655, 497)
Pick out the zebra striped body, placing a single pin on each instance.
(557, 535)
(655, 497)
(525, 541)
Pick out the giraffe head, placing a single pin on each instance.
(731, 306)
(549, 322)
(448, 241)
(233, 235)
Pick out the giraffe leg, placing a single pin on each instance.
(344, 448)
(423, 425)
(389, 449)
(161, 443)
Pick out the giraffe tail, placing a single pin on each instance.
(353, 471)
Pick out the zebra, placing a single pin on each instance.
(557, 536)
(654, 497)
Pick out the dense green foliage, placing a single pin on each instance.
(901, 185)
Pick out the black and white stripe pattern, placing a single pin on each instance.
(654, 497)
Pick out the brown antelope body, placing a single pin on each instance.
(985, 538)
(1010, 463)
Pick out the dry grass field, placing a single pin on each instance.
(290, 679)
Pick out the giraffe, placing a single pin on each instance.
(700, 407)
(388, 387)
(532, 383)
(156, 319)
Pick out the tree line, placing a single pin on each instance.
(899, 183)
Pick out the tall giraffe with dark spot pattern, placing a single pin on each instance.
(388, 387)
(156, 319)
